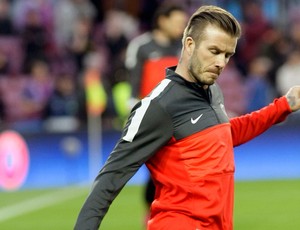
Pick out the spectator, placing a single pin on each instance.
(37, 90)
(6, 25)
(254, 25)
(66, 13)
(1, 112)
(11, 92)
(80, 42)
(35, 39)
(20, 9)
(4, 64)
(289, 73)
(115, 38)
(275, 46)
(259, 91)
(65, 109)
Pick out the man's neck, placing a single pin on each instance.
(161, 38)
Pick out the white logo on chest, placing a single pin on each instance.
(194, 121)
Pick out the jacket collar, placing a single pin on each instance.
(172, 75)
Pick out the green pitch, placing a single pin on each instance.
(259, 205)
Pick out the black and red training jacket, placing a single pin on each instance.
(183, 135)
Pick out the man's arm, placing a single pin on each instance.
(245, 128)
(140, 140)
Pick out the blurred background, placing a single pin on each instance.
(64, 85)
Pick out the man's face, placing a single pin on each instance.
(210, 57)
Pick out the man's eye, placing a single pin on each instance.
(229, 55)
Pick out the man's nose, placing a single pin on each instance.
(221, 61)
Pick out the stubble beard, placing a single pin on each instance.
(196, 73)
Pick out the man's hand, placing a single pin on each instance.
(293, 98)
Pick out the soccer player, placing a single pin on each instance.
(183, 135)
(150, 53)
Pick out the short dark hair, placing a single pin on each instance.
(165, 10)
(211, 15)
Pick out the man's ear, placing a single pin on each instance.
(189, 45)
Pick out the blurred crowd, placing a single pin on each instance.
(48, 46)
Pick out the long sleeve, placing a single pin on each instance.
(245, 128)
(148, 128)
(135, 76)
(134, 62)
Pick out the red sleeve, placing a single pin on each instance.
(246, 127)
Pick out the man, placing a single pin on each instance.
(150, 53)
(182, 133)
